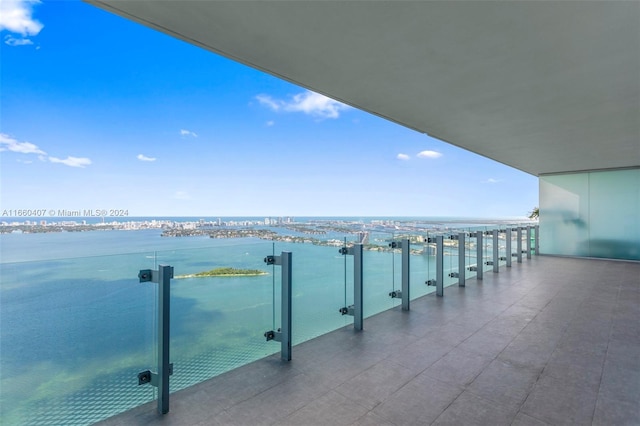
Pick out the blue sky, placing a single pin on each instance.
(98, 112)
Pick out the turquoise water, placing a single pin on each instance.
(76, 326)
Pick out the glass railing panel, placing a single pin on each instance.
(472, 252)
(75, 334)
(450, 260)
(322, 284)
(422, 264)
(382, 273)
(487, 250)
(502, 247)
(431, 251)
(223, 300)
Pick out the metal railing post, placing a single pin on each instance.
(160, 379)
(537, 239)
(519, 243)
(529, 242)
(479, 255)
(461, 259)
(496, 252)
(440, 265)
(283, 334)
(509, 235)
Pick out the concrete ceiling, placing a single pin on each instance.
(543, 86)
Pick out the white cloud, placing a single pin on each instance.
(491, 180)
(12, 41)
(182, 195)
(15, 16)
(429, 154)
(8, 143)
(72, 161)
(308, 102)
(185, 132)
(270, 123)
(268, 101)
(403, 157)
(145, 158)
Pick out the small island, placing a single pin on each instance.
(225, 272)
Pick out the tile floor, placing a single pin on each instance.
(551, 341)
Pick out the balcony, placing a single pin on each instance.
(545, 341)
(549, 341)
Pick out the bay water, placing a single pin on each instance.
(77, 326)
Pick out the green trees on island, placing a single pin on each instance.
(225, 272)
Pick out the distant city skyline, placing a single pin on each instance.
(101, 113)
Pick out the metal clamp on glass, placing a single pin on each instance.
(396, 294)
(489, 262)
(473, 268)
(160, 379)
(273, 335)
(431, 282)
(148, 377)
(354, 310)
(454, 275)
(347, 310)
(405, 246)
(283, 334)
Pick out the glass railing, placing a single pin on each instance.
(77, 332)
(218, 319)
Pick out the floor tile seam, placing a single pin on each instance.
(533, 388)
(371, 412)
(465, 389)
(490, 360)
(452, 401)
(240, 401)
(430, 378)
(529, 414)
(524, 400)
(505, 347)
(604, 360)
(419, 372)
(377, 403)
(318, 397)
(494, 401)
(498, 403)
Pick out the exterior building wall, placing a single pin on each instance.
(591, 214)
